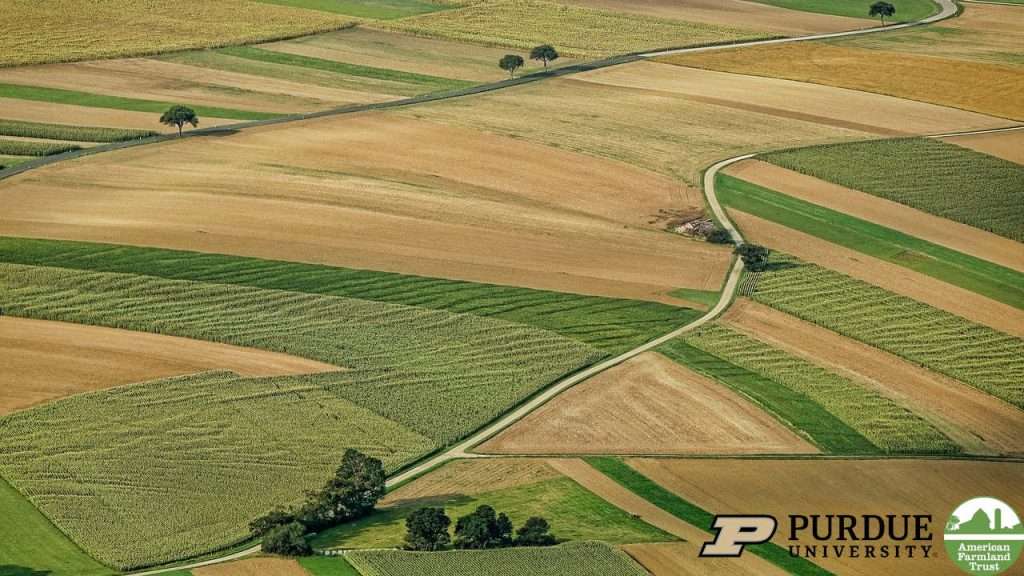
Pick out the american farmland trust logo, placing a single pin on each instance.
(984, 536)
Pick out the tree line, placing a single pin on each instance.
(484, 528)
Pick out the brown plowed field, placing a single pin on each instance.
(47, 360)
(648, 405)
(750, 15)
(960, 237)
(470, 477)
(254, 567)
(1006, 145)
(29, 111)
(620, 497)
(892, 277)
(864, 111)
(783, 487)
(681, 559)
(381, 192)
(977, 421)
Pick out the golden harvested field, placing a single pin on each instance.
(960, 237)
(681, 559)
(783, 487)
(892, 277)
(254, 567)
(1005, 145)
(977, 421)
(629, 124)
(995, 89)
(648, 405)
(761, 17)
(47, 360)
(381, 192)
(866, 112)
(470, 477)
(65, 30)
(624, 499)
(46, 112)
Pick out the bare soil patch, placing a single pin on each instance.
(681, 559)
(852, 109)
(977, 421)
(14, 109)
(380, 192)
(1005, 145)
(892, 277)
(621, 497)
(47, 360)
(254, 567)
(648, 405)
(732, 13)
(960, 237)
(783, 487)
(470, 477)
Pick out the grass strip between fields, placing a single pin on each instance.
(9, 161)
(968, 272)
(906, 11)
(328, 566)
(646, 488)
(76, 98)
(374, 9)
(68, 132)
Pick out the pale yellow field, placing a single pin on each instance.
(783, 487)
(470, 477)
(254, 567)
(682, 559)
(382, 192)
(648, 405)
(1005, 145)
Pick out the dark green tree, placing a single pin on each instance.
(719, 236)
(535, 532)
(483, 529)
(882, 10)
(273, 519)
(755, 257)
(426, 530)
(510, 63)
(352, 493)
(287, 540)
(178, 115)
(545, 53)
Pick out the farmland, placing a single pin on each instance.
(1005, 145)
(908, 11)
(253, 567)
(65, 132)
(591, 558)
(932, 338)
(375, 9)
(986, 186)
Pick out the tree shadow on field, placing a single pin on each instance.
(776, 266)
(12, 570)
(215, 133)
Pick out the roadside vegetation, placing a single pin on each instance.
(924, 335)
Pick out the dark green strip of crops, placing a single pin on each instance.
(258, 54)
(797, 410)
(968, 272)
(614, 325)
(652, 492)
(74, 97)
(66, 132)
(29, 148)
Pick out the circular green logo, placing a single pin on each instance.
(984, 536)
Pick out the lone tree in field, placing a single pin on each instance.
(545, 53)
(483, 529)
(755, 257)
(882, 9)
(426, 530)
(511, 63)
(179, 116)
(287, 540)
(352, 493)
(535, 532)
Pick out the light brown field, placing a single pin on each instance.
(960, 237)
(1005, 145)
(682, 559)
(619, 496)
(381, 192)
(30, 111)
(892, 277)
(470, 477)
(253, 567)
(783, 487)
(995, 89)
(977, 421)
(732, 13)
(795, 100)
(648, 405)
(47, 360)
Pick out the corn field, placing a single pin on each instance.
(66, 132)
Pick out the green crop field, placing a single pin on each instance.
(976, 355)
(579, 31)
(328, 566)
(29, 148)
(611, 324)
(884, 423)
(66, 132)
(906, 10)
(375, 9)
(574, 513)
(8, 161)
(646, 488)
(59, 96)
(582, 558)
(940, 178)
(997, 282)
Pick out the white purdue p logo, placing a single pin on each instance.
(736, 531)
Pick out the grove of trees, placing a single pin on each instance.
(484, 528)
